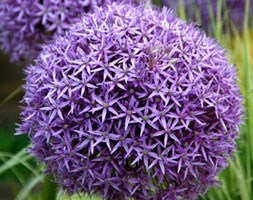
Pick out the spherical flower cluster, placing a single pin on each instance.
(26, 25)
(232, 12)
(132, 103)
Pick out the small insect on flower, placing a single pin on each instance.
(26, 25)
(205, 12)
(132, 103)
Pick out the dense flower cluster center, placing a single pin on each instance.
(132, 103)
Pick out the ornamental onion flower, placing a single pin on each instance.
(132, 103)
(232, 12)
(26, 25)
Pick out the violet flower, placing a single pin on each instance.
(26, 25)
(232, 12)
(132, 103)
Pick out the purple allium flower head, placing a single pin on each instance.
(132, 103)
(26, 25)
(232, 12)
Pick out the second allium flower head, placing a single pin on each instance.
(132, 102)
(26, 25)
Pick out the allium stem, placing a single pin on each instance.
(49, 191)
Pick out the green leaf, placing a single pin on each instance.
(29, 186)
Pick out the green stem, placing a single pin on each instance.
(11, 95)
(49, 191)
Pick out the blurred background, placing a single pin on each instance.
(22, 178)
(11, 77)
